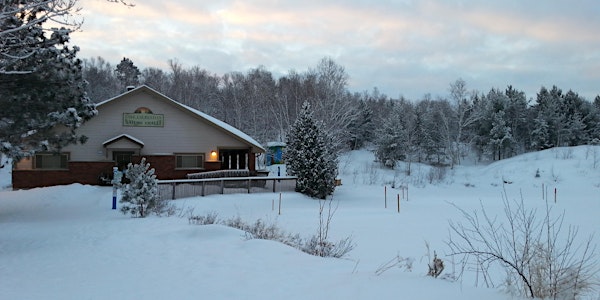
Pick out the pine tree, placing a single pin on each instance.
(391, 138)
(42, 93)
(501, 138)
(127, 73)
(140, 196)
(361, 127)
(309, 156)
(540, 136)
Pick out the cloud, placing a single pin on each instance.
(403, 47)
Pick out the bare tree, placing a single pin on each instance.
(540, 259)
(333, 104)
(102, 83)
(463, 116)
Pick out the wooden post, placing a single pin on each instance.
(385, 195)
(249, 185)
(222, 186)
(554, 195)
(274, 185)
(398, 203)
(280, 203)
(203, 187)
(174, 188)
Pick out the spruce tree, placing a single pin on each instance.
(391, 137)
(310, 157)
(140, 196)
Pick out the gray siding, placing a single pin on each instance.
(183, 131)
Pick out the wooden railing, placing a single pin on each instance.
(182, 188)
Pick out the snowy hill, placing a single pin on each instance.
(66, 243)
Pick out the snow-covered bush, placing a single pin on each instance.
(140, 196)
(310, 157)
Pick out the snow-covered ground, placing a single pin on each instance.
(65, 242)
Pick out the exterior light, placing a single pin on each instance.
(213, 153)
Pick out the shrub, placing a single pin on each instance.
(271, 231)
(140, 196)
(541, 261)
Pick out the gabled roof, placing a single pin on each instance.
(123, 136)
(216, 122)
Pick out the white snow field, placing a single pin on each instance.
(65, 242)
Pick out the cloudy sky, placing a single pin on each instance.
(402, 47)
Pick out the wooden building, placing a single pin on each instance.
(174, 138)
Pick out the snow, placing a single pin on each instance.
(65, 242)
(5, 172)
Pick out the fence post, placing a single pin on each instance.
(385, 196)
(222, 186)
(249, 185)
(203, 185)
(274, 185)
(174, 188)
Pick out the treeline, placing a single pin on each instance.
(493, 125)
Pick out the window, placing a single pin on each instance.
(51, 161)
(190, 161)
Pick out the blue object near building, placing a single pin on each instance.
(275, 153)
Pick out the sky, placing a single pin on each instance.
(403, 47)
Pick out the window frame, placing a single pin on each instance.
(38, 161)
(199, 165)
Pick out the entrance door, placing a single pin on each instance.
(234, 159)
(122, 159)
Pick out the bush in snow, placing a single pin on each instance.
(316, 245)
(541, 261)
(140, 196)
(309, 158)
(208, 219)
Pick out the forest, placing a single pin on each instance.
(487, 125)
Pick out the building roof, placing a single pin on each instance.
(226, 127)
(123, 136)
(276, 144)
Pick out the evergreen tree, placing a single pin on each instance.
(127, 73)
(516, 118)
(361, 127)
(309, 156)
(500, 136)
(540, 136)
(140, 196)
(42, 94)
(390, 140)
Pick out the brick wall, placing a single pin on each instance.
(79, 172)
(90, 172)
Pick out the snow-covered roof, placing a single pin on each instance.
(234, 131)
(127, 136)
(276, 144)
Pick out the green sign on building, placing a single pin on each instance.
(143, 120)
